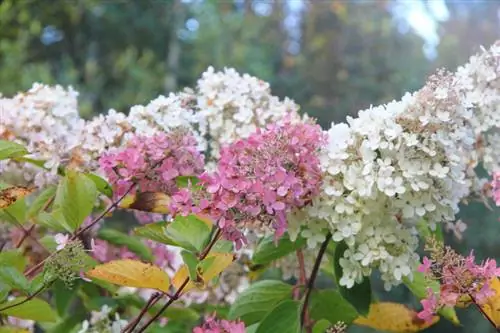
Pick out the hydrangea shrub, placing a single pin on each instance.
(229, 184)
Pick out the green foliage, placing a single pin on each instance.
(283, 318)
(13, 258)
(155, 231)
(259, 299)
(102, 185)
(191, 262)
(14, 278)
(267, 250)
(41, 200)
(360, 295)
(9, 149)
(63, 297)
(75, 196)
(330, 305)
(34, 309)
(120, 239)
(189, 232)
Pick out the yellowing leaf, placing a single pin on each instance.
(10, 195)
(153, 202)
(492, 305)
(208, 268)
(393, 317)
(132, 273)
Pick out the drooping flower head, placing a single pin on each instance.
(153, 162)
(260, 179)
(212, 325)
(461, 279)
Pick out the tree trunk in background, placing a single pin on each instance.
(177, 16)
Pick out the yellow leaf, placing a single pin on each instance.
(10, 195)
(208, 268)
(492, 305)
(152, 202)
(393, 317)
(132, 273)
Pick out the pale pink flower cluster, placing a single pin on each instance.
(260, 179)
(460, 278)
(153, 162)
(212, 325)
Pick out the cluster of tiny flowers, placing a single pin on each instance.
(101, 323)
(234, 106)
(260, 179)
(479, 82)
(44, 120)
(152, 163)
(391, 167)
(212, 325)
(461, 279)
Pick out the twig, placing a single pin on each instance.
(104, 213)
(484, 313)
(302, 274)
(30, 229)
(302, 281)
(310, 282)
(151, 302)
(27, 299)
(178, 293)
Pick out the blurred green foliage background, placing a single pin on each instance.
(333, 57)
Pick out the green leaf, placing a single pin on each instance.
(360, 295)
(267, 250)
(37, 283)
(184, 181)
(191, 262)
(426, 231)
(257, 300)
(102, 185)
(419, 285)
(41, 200)
(13, 278)
(156, 232)
(223, 246)
(284, 318)
(9, 149)
(253, 328)
(34, 309)
(330, 305)
(69, 322)
(133, 244)
(12, 329)
(53, 221)
(63, 297)
(76, 195)
(189, 232)
(321, 326)
(13, 258)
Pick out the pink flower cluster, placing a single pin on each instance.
(495, 187)
(153, 162)
(461, 280)
(259, 179)
(212, 325)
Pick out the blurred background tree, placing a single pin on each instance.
(333, 57)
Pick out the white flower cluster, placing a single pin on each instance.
(235, 105)
(224, 106)
(45, 120)
(398, 164)
(100, 322)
